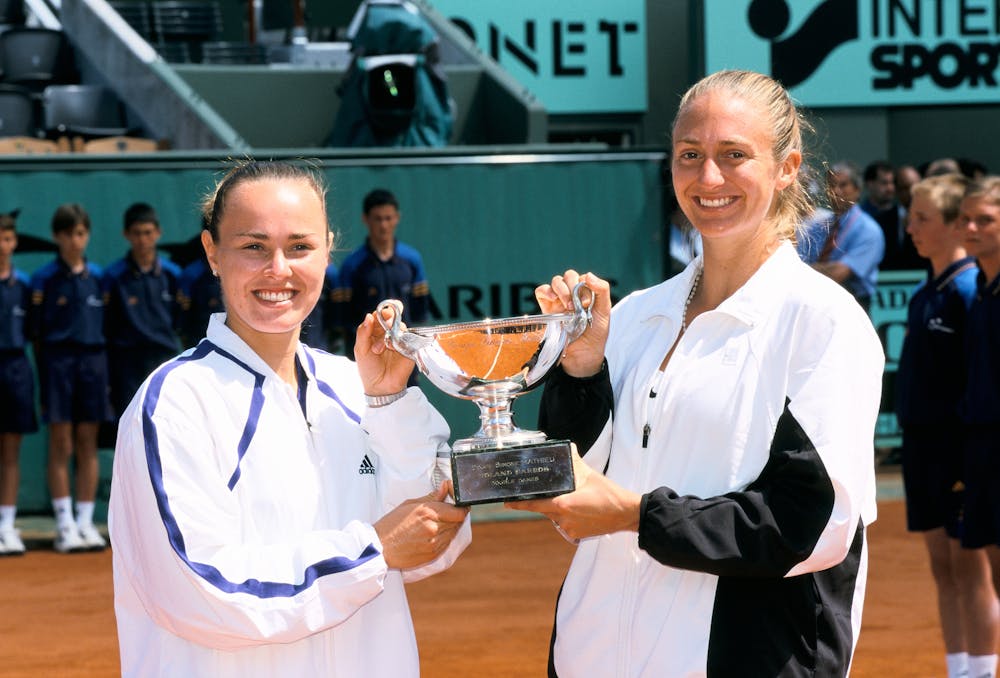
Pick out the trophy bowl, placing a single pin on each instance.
(491, 362)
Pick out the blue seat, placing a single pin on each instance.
(245, 53)
(87, 111)
(17, 112)
(192, 22)
(35, 57)
(136, 14)
(12, 12)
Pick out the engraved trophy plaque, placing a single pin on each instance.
(491, 362)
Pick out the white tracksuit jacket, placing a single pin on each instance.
(757, 475)
(242, 531)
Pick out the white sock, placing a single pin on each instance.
(982, 666)
(7, 514)
(84, 513)
(958, 664)
(63, 508)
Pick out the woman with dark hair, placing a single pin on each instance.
(269, 500)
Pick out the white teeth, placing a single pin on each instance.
(274, 296)
(719, 202)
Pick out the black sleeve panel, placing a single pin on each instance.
(762, 531)
(788, 626)
(574, 408)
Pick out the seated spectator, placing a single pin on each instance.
(973, 169)
(942, 166)
(849, 245)
(906, 177)
(880, 204)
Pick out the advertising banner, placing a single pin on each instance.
(587, 56)
(888, 312)
(862, 52)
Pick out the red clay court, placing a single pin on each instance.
(489, 616)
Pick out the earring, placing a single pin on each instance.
(215, 273)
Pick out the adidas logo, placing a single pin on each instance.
(366, 468)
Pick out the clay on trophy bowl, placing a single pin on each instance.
(491, 362)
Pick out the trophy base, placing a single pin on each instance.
(499, 474)
(514, 437)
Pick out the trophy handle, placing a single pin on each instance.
(582, 315)
(392, 327)
(396, 336)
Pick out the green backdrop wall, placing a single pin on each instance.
(490, 225)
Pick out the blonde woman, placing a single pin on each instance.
(727, 418)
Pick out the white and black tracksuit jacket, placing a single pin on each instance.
(755, 461)
(242, 526)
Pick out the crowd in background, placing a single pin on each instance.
(97, 332)
(943, 218)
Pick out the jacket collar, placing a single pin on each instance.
(68, 272)
(134, 267)
(219, 334)
(750, 304)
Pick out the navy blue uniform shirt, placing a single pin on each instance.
(200, 296)
(141, 306)
(932, 369)
(318, 325)
(366, 280)
(15, 299)
(981, 404)
(67, 308)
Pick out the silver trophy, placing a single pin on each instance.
(491, 362)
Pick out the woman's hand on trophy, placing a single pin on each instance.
(419, 530)
(597, 506)
(383, 371)
(584, 356)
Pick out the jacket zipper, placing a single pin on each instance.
(654, 390)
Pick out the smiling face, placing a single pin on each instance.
(271, 255)
(724, 171)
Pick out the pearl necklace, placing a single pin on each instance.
(687, 302)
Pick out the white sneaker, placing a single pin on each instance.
(69, 540)
(92, 539)
(10, 542)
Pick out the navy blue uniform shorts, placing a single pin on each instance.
(982, 487)
(932, 478)
(73, 381)
(129, 369)
(17, 394)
